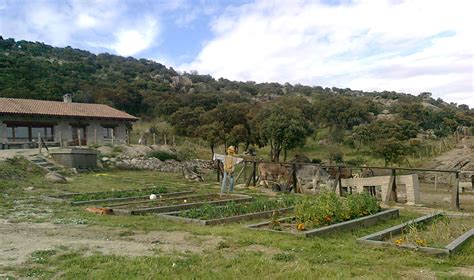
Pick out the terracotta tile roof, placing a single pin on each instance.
(14, 106)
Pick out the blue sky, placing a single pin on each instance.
(409, 46)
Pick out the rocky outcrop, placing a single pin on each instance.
(54, 177)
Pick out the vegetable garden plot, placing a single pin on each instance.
(290, 225)
(436, 234)
(163, 201)
(115, 196)
(177, 204)
(329, 213)
(233, 212)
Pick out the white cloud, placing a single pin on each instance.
(132, 41)
(106, 25)
(410, 46)
(86, 21)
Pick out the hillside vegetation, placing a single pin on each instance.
(278, 118)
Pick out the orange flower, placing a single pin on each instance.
(300, 226)
(328, 218)
(420, 242)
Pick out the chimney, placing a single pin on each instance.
(67, 98)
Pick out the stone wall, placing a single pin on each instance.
(144, 163)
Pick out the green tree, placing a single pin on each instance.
(391, 150)
(282, 128)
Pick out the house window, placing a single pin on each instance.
(45, 132)
(28, 133)
(109, 132)
(18, 134)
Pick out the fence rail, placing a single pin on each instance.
(252, 177)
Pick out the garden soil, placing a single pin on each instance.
(20, 240)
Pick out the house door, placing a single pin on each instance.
(79, 132)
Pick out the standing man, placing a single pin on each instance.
(229, 164)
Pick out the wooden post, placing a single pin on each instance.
(95, 136)
(339, 181)
(79, 136)
(165, 140)
(293, 174)
(240, 173)
(455, 194)
(391, 189)
(60, 139)
(254, 174)
(39, 142)
(218, 169)
(113, 137)
(154, 139)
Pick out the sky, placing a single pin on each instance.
(410, 46)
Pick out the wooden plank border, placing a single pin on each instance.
(347, 225)
(173, 216)
(130, 198)
(377, 238)
(178, 207)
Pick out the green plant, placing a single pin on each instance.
(329, 208)
(275, 223)
(162, 155)
(283, 257)
(207, 211)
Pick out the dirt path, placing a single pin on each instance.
(20, 240)
(460, 157)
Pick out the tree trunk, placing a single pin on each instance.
(284, 155)
(276, 155)
(247, 145)
(212, 151)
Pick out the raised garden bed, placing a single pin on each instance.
(289, 225)
(115, 196)
(327, 213)
(164, 201)
(232, 212)
(181, 203)
(434, 234)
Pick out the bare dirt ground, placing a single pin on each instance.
(4, 154)
(20, 240)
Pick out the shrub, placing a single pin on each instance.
(316, 160)
(117, 149)
(185, 153)
(162, 155)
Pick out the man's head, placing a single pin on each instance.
(231, 150)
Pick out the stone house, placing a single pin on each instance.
(23, 122)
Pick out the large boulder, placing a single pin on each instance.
(54, 177)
